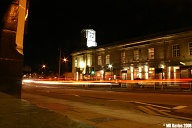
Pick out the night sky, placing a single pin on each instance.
(53, 24)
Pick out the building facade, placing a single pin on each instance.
(164, 56)
(13, 18)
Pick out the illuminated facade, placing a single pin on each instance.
(13, 17)
(167, 56)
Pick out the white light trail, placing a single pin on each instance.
(66, 82)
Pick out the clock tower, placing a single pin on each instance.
(88, 38)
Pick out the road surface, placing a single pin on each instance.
(112, 109)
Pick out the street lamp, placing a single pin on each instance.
(65, 59)
(43, 66)
(110, 66)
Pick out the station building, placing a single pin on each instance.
(160, 56)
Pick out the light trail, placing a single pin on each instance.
(67, 82)
(105, 82)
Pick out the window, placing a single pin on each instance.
(99, 60)
(176, 50)
(136, 54)
(151, 73)
(123, 57)
(107, 59)
(150, 53)
(76, 62)
(190, 48)
(136, 72)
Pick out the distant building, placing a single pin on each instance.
(159, 56)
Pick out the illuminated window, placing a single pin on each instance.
(123, 57)
(136, 72)
(75, 62)
(190, 48)
(151, 73)
(136, 54)
(176, 50)
(150, 53)
(107, 59)
(99, 60)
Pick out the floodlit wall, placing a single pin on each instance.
(145, 65)
(12, 22)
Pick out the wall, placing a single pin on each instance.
(11, 56)
(162, 55)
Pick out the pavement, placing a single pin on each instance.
(18, 113)
(144, 90)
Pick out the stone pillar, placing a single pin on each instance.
(12, 22)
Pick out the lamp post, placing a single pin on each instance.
(43, 69)
(65, 60)
(59, 63)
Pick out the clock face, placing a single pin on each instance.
(91, 36)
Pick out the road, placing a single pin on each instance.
(107, 108)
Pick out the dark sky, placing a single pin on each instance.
(53, 24)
